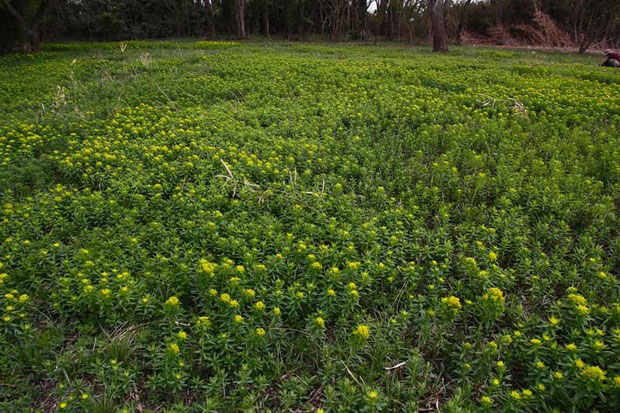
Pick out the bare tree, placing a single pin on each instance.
(362, 12)
(240, 15)
(29, 24)
(593, 20)
(462, 13)
(438, 26)
(265, 13)
(413, 10)
(209, 24)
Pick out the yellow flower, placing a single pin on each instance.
(535, 341)
(225, 297)
(486, 400)
(372, 395)
(527, 393)
(515, 395)
(174, 348)
(331, 292)
(208, 267)
(238, 319)
(452, 303)
(541, 387)
(259, 305)
(260, 331)
(277, 311)
(577, 299)
(558, 375)
(84, 396)
(203, 321)
(351, 286)
(320, 322)
(62, 405)
(362, 331)
(593, 373)
(172, 301)
(23, 298)
(554, 321)
(182, 335)
(494, 294)
(353, 265)
(500, 364)
(234, 303)
(492, 256)
(582, 309)
(571, 347)
(579, 363)
(617, 381)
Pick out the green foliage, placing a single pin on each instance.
(227, 227)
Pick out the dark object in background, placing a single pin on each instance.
(613, 59)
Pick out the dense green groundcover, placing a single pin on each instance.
(289, 227)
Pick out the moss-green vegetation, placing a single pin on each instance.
(350, 228)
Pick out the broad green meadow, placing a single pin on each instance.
(222, 226)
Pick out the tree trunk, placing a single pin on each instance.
(209, 26)
(32, 32)
(382, 11)
(462, 14)
(266, 18)
(33, 35)
(584, 44)
(240, 6)
(300, 18)
(363, 8)
(438, 26)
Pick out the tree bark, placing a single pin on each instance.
(31, 31)
(382, 11)
(240, 6)
(438, 26)
(266, 18)
(300, 18)
(363, 8)
(584, 44)
(209, 25)
(463, 13)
